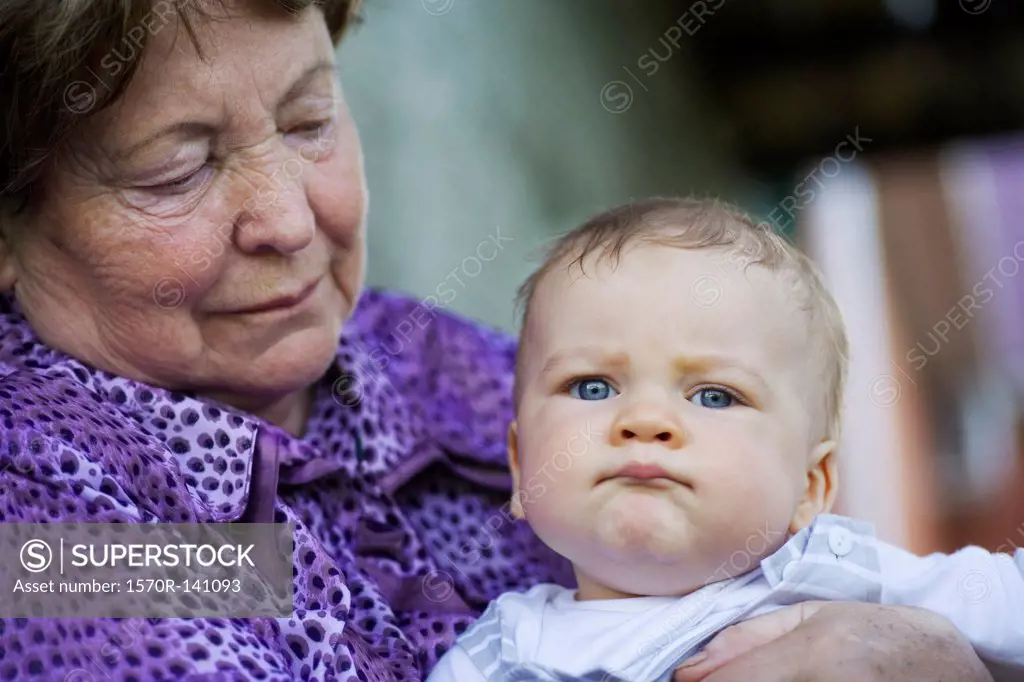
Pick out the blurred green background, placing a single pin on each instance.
(511, 121)
(531, 115)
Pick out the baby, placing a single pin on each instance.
(678, 399)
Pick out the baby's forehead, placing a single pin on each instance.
(658, 264)
(682, 289)
(761, 287)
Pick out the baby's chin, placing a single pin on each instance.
(650, 546)
(650, 529)
(653, 568)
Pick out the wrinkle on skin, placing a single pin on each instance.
(839, 642)
(247, 228)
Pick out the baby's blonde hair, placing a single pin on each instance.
(701, 224)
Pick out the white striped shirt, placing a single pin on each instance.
(545, 634)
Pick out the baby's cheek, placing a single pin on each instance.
(757, 493)
(553, 511)
(757, 472)
(546, 492)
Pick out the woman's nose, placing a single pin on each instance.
(648, 425)
(277, 217)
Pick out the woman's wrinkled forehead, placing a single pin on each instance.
(242, 63)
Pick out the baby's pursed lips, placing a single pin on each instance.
(644, 471)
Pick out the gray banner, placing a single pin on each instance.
(146, 570)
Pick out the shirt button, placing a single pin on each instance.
(789, 571)
(840, 541)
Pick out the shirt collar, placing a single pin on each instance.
(451, 377)
(835, 557)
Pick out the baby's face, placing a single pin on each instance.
(665, 428)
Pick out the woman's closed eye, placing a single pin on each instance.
(311, 128)
(714, 398)
(592, 388)
(316, 138)
(183, 184)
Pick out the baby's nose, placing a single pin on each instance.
(649, 428)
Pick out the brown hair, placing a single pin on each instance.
(51, 52)
(703, 224)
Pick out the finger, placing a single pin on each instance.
(777, 661)
(743, 638)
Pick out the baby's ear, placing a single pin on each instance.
(516, 503)
(821, 486)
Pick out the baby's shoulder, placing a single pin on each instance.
(509, 608)
(534, 598)
(508, 626)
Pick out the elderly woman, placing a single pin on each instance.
(185, 339)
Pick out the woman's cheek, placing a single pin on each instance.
(337, 196)
(195, 260)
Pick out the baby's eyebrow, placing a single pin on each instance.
(589, 352)
(696, 364)
(684, 364)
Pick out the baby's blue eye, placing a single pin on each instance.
(714, 398)
(591, 389)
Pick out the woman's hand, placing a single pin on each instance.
(838, 642)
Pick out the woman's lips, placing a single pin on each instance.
(282, 302)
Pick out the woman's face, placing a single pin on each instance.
(206, 232)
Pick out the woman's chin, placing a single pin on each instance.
(294, 363)
(290, 365)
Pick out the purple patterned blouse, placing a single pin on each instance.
(398, 491)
